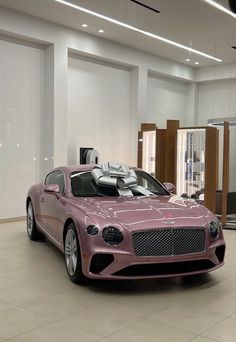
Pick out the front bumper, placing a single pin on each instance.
(114, 263)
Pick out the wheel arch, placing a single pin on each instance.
(68, 221)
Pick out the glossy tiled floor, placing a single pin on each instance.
(38, 303)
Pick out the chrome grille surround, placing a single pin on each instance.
(169, 241)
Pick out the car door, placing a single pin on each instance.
(50, 203)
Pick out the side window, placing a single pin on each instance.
(56, 177)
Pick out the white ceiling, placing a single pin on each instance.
(190, 22)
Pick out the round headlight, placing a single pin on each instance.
(112, 236)
(214, 229)
(92, 230)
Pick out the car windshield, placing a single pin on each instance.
(83, 185)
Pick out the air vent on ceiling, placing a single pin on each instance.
(144, 5)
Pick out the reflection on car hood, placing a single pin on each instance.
(144, 212)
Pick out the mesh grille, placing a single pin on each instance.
(175, 241)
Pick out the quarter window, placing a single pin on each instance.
(56, 177)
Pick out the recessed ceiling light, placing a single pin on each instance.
(196, 63)
(132, 28)
(100, 30)
(187, 60)
(84, 25)
(221, 8)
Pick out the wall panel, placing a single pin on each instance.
(216, 100)
(22, 75)
(99, 110)
(167, 99)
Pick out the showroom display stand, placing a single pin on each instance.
(225, 199)
(225, 175)
(197, 164)
(191, 163)
(147, 148)
(157, 150)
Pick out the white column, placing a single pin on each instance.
(192, 105)
(138, 107)
(60, 103)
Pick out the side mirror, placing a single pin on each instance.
(169, 187)
(52, 189)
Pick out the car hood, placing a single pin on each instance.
(144, 212)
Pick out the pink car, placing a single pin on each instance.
(120, 223)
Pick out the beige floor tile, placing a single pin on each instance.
(31, 273)
(203, 339)
(224, 331)
(13, 264)
(56, 332)
(195, 321)
(6, 282)
(102, 319)
(4, 254)
(227, 287)
(16, 321)
(147, 331)
(60, 305)
(144, 305)
(5, 306)
(212, 303)
(24, 293)
(233, 316)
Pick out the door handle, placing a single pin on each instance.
(42, 200)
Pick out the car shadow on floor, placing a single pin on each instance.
(163, 285)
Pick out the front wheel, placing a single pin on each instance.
(73, 256)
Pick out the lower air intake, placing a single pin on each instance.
(165, 268)
(100, 261)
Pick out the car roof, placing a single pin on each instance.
(77, 168)
(73, 168)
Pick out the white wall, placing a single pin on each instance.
(22, 76)
(217, 99)
(166, 99)
(99, 110)
(121, 99)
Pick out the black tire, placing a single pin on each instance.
(31, 227)
(72, 254)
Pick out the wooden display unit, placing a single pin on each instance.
(163, 146)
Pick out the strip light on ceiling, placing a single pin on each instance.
(132, 28)
(220, 7)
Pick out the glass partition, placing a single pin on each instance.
(149, 152)
(191, 163)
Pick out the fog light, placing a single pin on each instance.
(112, 236)
(214, 229)
(92, 230)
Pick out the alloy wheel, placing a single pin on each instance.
(71, 252)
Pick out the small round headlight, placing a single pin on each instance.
(112, 236)
(214, 229)
(92, 230)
